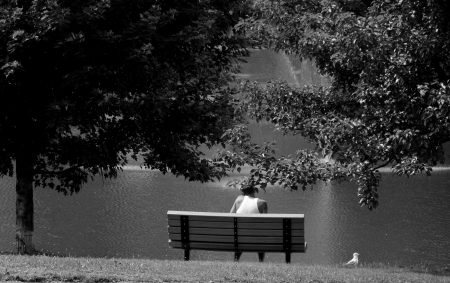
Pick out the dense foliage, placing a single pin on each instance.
(389, 99)
(84, 84)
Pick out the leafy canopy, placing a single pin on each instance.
(388, 103)
(86, 83)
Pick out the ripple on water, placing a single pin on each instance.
(126, 217)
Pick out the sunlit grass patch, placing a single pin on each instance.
(69, 269)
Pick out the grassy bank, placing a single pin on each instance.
(66, 269)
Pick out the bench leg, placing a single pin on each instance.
(237, 256)
(186, 254)
(261, 257)
(288, 257)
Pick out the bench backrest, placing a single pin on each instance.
(236, 232)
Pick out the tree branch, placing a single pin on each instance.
(60, 172)
(382, 165)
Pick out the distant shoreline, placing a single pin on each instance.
(246, 169)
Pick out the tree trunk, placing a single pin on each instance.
(24, 207)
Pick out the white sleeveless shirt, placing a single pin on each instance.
(248, 205)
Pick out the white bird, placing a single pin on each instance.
(354, 261)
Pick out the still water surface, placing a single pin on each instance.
(126, 217)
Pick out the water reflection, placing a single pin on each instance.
(127, 218)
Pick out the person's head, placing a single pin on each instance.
(248, 190)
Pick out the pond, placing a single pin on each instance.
(126, 217)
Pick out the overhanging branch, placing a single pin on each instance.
(58, 172)
(382, 165)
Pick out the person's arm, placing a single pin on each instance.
(262, 206)
(236, 204)
(233, 208)
(265, 208)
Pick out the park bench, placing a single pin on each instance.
(230, 232)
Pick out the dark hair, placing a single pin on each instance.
(248, 190)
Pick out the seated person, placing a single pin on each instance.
(247, 203)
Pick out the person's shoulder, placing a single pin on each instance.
(262, 206)
(262, 202)
(239, 199)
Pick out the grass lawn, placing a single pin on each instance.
(69, 269)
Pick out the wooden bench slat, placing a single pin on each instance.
(232, 215)
(236, 232)
(230, 232)
(241, 239)
(240, 219)
(263, 226)
(241, 247)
